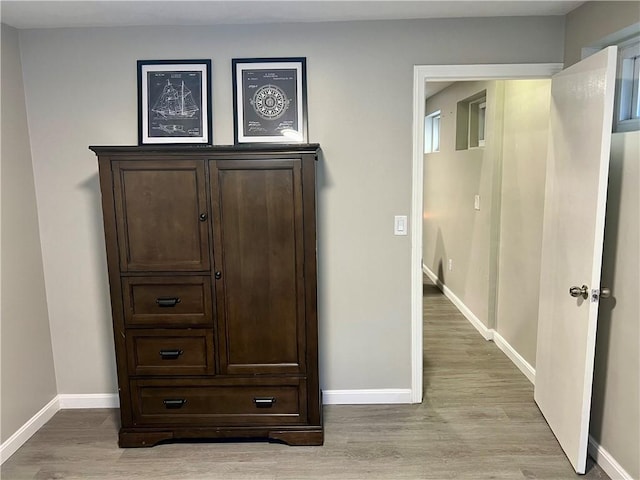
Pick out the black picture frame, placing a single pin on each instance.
(174, 102)
(269, 100)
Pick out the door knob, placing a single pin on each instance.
(605, 292)
(579, 292)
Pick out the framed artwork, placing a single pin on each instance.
(269, 100)
(174, 102)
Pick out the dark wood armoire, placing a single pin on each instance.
(211, 254)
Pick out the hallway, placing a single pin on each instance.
(483, 403)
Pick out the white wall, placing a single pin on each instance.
(81, 90)
(28, 377)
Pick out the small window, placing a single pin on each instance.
(477, 113)
(432, 132)
(471, 121)
(628, 92)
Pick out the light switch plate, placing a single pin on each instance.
(400, 225)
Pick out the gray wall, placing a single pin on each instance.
(81, 89)
(592, 22)
(615, 414)
(28, 377)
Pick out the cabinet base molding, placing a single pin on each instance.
(306, 436)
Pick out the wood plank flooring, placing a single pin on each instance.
(478, 421)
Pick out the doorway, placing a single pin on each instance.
(442, 73)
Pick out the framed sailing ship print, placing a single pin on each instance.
(269, 100)
(174, 102)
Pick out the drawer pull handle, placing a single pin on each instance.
(170, 354)
(167, 302)
(174, 402)
(264, 402)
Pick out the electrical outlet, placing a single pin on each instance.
(476, 202)
(450, 264)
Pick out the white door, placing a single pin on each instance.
(576, 191)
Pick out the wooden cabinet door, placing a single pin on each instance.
(258, 255)
(162, 215)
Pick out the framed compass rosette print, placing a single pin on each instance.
(174, 102)
(269, 100)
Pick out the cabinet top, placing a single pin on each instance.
(250, 148)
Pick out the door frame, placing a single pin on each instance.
(422, 74)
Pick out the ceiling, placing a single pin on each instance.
(57, 14)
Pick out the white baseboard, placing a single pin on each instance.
(515, 357)
(89, 400)
(487, 333)
(24, 433)
(605, 461)
(366, 397)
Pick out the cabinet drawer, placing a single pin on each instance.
(170, 352)
(167, 301)
(256, 402)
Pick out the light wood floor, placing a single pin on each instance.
(478, 421)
